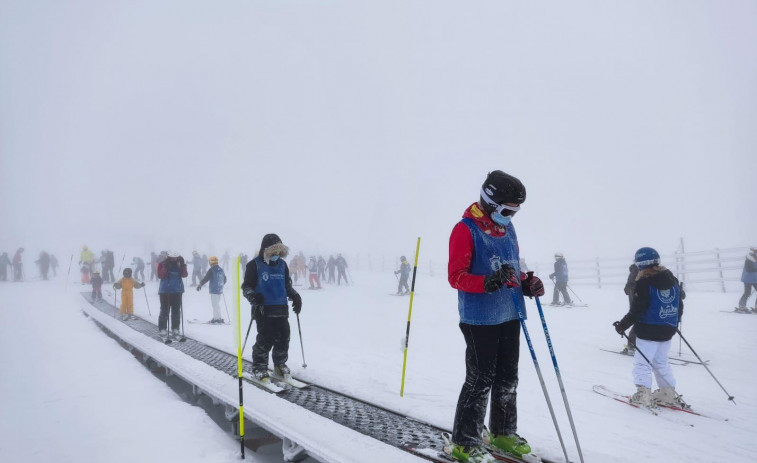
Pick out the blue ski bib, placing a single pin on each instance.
(663, 306)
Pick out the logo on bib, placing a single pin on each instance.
(668, 311)
(495, 263)
(265, 276)
(666, 296)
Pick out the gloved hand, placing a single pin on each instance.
(296, 303)
(532, 286)
(619, 329)
(249, 294)
(504, 276)
(199, 287)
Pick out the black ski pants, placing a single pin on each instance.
(170, 302)
(18, 272)
(561, 288)
(747, 292)
(491, 365)
(3, 272)
(340, 276)
(273, 332)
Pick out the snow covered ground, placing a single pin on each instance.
(352, 337)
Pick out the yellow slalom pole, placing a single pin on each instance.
(239, 357)
(410, 314)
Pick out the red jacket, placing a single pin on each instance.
(461, 250)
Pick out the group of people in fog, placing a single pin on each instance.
(46, 262)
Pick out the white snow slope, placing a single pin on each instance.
(352, 339)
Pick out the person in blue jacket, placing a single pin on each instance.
(217, 278)
(560, 277)
(749, 278)
(267, 286)
(655, 312)
(171, 272)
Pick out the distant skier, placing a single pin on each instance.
(267, 285)
(196, 268)
(153, 266)
(404, 273)
(313, 270)
(54, 264)
(139, 268)
(127, 285)
(243, 260)
(171, 271)
(303, 265)
(5, 262)
(44, 264)
(331, 266)
(633, 271)
(341, 267)
(108, 261)
(656, 310)
(97, 284)
(294, 269)
(205, 261)
(749, 278)
(322, 268)
(484, 268)
(18, 265)
(87, 262)
(560, 278)
(225, 261)
(217, 279)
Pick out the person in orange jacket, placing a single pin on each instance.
(127, 285)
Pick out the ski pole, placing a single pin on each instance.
(228, 317)
(115, 305)
(248, 334)
(240, 351)
(559, 377)
(181, 311)
(538, 373)
(409, 314)
(122, 264)
(351, 282)
(302, 348)
(730, 397)
(574, 293)
(147, 300)
(70, 261)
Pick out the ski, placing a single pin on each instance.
(288, 380)
(265, 384)
(626, 399)
(672, 360)
(195, 321)
(572, 304)
(739, 311)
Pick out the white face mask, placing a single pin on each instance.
(274, 258)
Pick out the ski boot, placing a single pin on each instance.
(261, 374)
(475, 454)
(511, 444)
(283, 371)
(667, 396)
(628, 350)
(742, 309)
(643, 398)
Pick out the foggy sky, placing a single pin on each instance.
(357, 126)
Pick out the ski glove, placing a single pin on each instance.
(253, 297)
(532, 286)
(504, 276)
(296, 303)
(619, 328)
(199, 287)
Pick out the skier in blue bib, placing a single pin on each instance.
(656, 310)
(267, 286)
(484, 266)
(217, 278)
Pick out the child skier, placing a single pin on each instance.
(656, 310)
(217, 279)
(97, 284)
(314, 277)
(267, 286)
(127, 285)
(404, 273)
(749, 278)
(484, 268)
(560, 278)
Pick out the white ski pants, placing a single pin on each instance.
(657, 353)
(215, 300)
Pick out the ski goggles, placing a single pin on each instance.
(502, 209)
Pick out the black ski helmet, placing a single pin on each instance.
(500, 188)
(127, 272)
